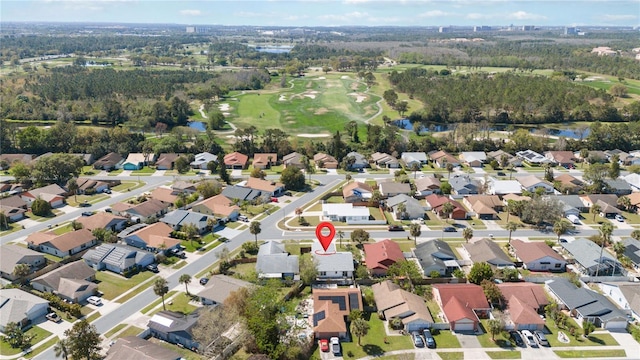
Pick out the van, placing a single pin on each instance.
(243, 218)
(574, 219)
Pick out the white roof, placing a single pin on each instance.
(135, 158)
(500, 187)
(159, 319)
(417, 156)
(633, 180)
(474, 155)
(345, 210)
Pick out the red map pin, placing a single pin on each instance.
(325, 240)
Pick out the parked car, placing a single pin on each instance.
(243, 218)
(620, 218)
(529, 338)
(107, 191)
(274, 199)
(204, 281)
(324, 345)
(500, 173)
(542, 340)
(94, 300)
(428, 338)
(108, 210)
(449, 229)
(396, 228)
(417, 339)
(53, 317)
(335, 346)
(153, 268)
(87, 213)
(515, 336)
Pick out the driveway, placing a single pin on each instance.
(229, 232)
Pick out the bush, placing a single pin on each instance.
(250, 247)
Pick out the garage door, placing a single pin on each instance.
(463, 326)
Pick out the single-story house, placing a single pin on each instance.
(473, 158)
(583, 303)
(275, 263)
(634, 200)
(632, 251)
(12, 213)
(538, 256)
(53, 194)
(587, 254)
(462, 305)
(73, 281)
(436, 255)
(136, 161)
(413, 208)
(331, 307)
(264, 160)
(241, 193)
(594, 156)
(392, 188)
(510, 159)
(357, 192)
(608, 203)
(346, 213)
(565, 159)
(202, 160)
(504, 187)
(325, 161)
(13, 158)
(174, 328)
(567, 184)
(109, 162)
(619, 187)
(154, 238)
(218, 289)
(633, 180)
(121, 259)
(573, 201)
(178, 218)
(15, 201)
(133, 347)
(531, 183)
(486, 250)
(103, 220)
(525, 303)
(293, 159)
(166, 161)
(147, 210)
(184, 187)
(236, 160)
(164, 194)
(63, 245)
(411, 158)
(384, 160)
(625, 295)
(379, 256)
(442, 158)
(394, 302)
(532, 158)
(427, 185)
(484, 206)
(87, 158)
(20, 307)
(436, 204)
(269, 187)
(13, 255)
(464, 185)
(355, 161)
(86, 185)
(337, 267)
(219, 206)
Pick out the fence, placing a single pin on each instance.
(55, 265)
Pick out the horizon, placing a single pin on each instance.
(328, 13)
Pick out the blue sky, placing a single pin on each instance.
(329, 12)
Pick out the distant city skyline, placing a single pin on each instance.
(299, 13)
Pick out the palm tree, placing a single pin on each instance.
(619, 249)
(635, 234)
(560, 227)
(348, 177)
(595, 210)
(511, 227)
(61, 349)
(254, 229)
(401, 211)
(605, 234)
(449, 168)
(161, 288)
(625, 202)
(186, 280)
(415, 231)
(190, 230)
(359, 328)
(72, 186)
(415, 167)
(447, 209)
(467, 234)
(340, 236)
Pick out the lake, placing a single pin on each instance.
(198, 125)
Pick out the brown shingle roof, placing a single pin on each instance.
(533, 250)
(236, 158)
(382, 254)
(334, 314)
(263, 185)
(263, 159)
(73, 239)
(164, 194)
(99, 220)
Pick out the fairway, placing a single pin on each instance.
(313, 105)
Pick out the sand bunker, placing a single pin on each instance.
(226, 113)
(345, 77)
(321, 111)
(321, 78)
(313, 135)
(310, 94)
(359, 97)
(224, 107)
(282, 98)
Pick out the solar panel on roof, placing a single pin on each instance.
(335, 300)
(354, 301)
(317, 317)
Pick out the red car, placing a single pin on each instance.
(324, 345)
(274, 199)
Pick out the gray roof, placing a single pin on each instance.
(15, 303)
(220, 287)
(135, 348)
(464, 183)
(485, 250)
(172, 322)
(433, 253)
(414, 208)
(415, 156)
(277, 264)
(241, 193)
(394, 187)
(586, 252)
(121, 256)
(77, 270)
(631, 292)
(571, 200)
(618, 184)
(632, 250)
(271, 248)
(586, 302)
(360, 159)
(182, 217)
(340, 261)
(12, 255)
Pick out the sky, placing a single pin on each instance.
(329, 12)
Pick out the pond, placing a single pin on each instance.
(274, 49)
(198, 125)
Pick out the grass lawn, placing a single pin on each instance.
(373, 344)
(504, 354)
(115, 172)
(184, 353)
(446, 340)
(128, 185)
(179, 265)
(79, 200)
(244, 271)
(144, 171)
(592, 340)
(59, 230)
(590, 353)
(179, 303)
(451, 355)
(12, 228)
(38, 334)
(485, 338)
(115, 329)
(93, 316)
(113, 285)
(434, 309)
(158, 301)
(131, 294)
(42, 347)
(130, 331)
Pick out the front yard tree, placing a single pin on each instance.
(359, 328)
(16, 337)
(560, 227)
(40, 207)
(83, 341)
(21, 270)
(595, 210)
(61, 349)
(480, 271)
(186, 280)
(511, 227)
(495, 327)
(308, 269)
(415, 231)
(635, 234)
(161, 288)
(262, 319)
(254, 229)
(467, 234)
(359, 236)
(181, 164)
(292, 178)
(447, 209)
(72, 186)
(58, 168)
(222, 169)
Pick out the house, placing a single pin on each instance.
(427, 185)
(166, 161)
(573, 201)
(412, 207)
(607, 202)
(586, 304)
(625, 295)
(587, 255)
(633, 180)
(567, 184)
(532, 158)
(236, 160)
(87, 158)
(355, 161)
(484, 206)
(293, 159)
(464, 185)
(442, 158)
(634, 201)
(12, 213)
(73, 282)
(531, 183)
(621, 155)
(64, 245)
(337, 267)
(183, 187)
(13, 255)
(218, 206)
(538, 256)
(462, 305)
(174, 328)
(390, 188)
(240, 193)
(164, 194)
(147, 210)
(632, 251)
(525, 305)
(121, 259)
(331, 307)
(13, 158)
(103, 220)
(436, 255)
(594, 156)
(264, 160)
(179, 218)
(414, 158)
(218, 289)
(136, 161)
(14, 201)
(498, 155)
(90, 186)
(325, 161)
(109, 162)
(486, 250)
(202, 160)
(514, 197)
(356, 192)
(473, 158)
(154, 238)
(269, 187)
(619, 187)
(136, 348)
(275, 263)
(20, 307)
(394, 302)
(566, 159)
(379, 256)
(346, 213)
(384, 160)
(436, 204)
(53, 194)
(504, 187)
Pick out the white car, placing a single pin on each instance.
(94, 300)
(620, 218)
(529, 339)
(335, 345)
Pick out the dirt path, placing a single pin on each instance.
(233, 127)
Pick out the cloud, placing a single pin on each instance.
(523, 15)
(344, 17)
(190, 12)
(478, 16)
(433, 13)
(611, 17)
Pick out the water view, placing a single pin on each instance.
(198, 125)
